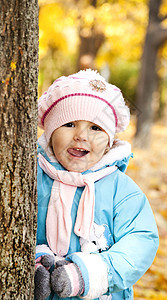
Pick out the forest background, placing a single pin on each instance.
(110, 36)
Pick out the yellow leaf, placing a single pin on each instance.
(13, 65)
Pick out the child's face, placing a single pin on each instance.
(79, 145)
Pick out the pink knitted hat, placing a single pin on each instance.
(83, 96)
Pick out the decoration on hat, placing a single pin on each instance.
(97, 85)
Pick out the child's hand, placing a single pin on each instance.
(67, 280)
(43, 264)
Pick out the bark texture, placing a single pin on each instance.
(156, 35)
(90, 42)
(18, 135)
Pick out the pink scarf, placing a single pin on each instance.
(58, 221)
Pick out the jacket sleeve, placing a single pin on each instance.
(135, 237)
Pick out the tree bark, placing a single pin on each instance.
(156, 35)
(18, 135)
(90, 42)
(89, 46)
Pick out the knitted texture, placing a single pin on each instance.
(83, 96)
(42, 276)
(42, 283)
(67, 280)
(44, 265)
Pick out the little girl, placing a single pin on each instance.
(96, 232)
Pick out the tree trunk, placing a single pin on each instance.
(90, 42)
(89, 46)
(18, 135)
(155, 37)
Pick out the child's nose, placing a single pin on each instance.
(81, 135)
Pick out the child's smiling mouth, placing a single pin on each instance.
(77, 152)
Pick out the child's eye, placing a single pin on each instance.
(95, 127)
(69, 125)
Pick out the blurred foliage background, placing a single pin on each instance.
(110, 36)
(120, 27)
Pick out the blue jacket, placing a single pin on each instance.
(124, 209)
